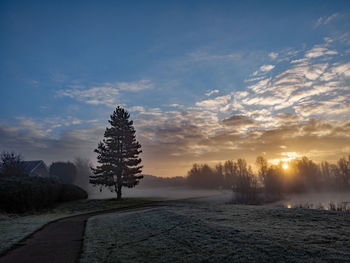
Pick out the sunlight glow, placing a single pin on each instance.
(285, 166)
(285, 157)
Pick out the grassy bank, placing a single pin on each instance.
(15, 227)
(197, 232)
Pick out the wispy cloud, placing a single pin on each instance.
(135, 86)
(264, 69)
(205, 56)
(299, 106)
(324, 20)
(211, 92)
(107, 94)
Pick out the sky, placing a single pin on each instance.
(204, 81)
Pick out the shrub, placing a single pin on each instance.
(71, 192)
(21, 194)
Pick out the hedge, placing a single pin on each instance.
(21, 194)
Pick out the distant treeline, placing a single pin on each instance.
(155, 181)
(300, 175)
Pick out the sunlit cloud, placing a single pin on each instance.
(298, 106)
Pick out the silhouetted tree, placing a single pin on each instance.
(219, 170)
(246, 185)
(118, 155)
(193, 175)
(231, 171)
(64, 171)
(156, 181)
(263, 167)
(11, 164)
(270, 176)
(203, 176)
(308, 173)
(343, 175)
(273, 182)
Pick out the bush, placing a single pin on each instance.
(21, 194)
(71, 192)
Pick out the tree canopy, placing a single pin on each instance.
(118, 155)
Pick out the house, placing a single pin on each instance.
(35, 168)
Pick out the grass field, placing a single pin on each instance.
(192, 231)
(14, 227)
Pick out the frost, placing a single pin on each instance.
(192, 231)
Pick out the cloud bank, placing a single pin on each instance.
(298, 107)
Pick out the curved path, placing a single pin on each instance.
(58, 241)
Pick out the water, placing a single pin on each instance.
(315, 200)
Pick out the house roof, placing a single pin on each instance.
(29, 166)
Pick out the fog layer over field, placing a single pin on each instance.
(311, 199)
(165, 193)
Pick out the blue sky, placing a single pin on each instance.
(223, 72)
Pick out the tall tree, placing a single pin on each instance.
(118, 155)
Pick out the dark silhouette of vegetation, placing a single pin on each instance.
(11, 164)
(24, 193)
(66, 172)
(118, 155)
(342, 173)
(20, 192)
(202, 176)
(156, 181)
(270, 182)
(71, 192)
(246, 184)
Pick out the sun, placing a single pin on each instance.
(285, 166)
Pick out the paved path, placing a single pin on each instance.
(58, 242)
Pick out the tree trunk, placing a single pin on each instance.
(119, 192)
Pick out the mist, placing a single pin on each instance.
(166, 194)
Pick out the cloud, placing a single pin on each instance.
(264, 69)
(302, 104)
(135, 86)
(107, 94)
(211, 92)
(326, 19)
(204, 56)
(273, 55)
(32, 144)
(238, 120)
(319, 51)
(137, 108)
(218, 103)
